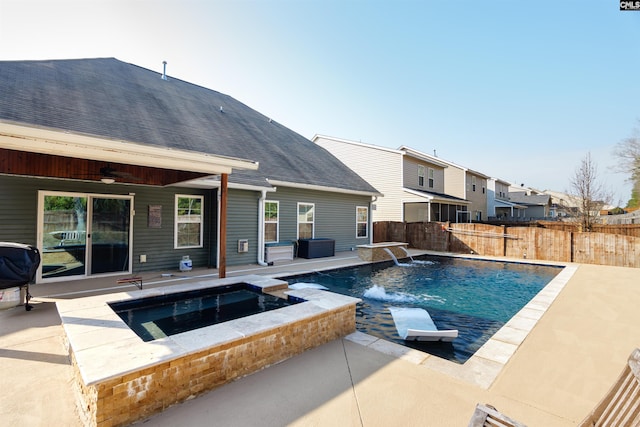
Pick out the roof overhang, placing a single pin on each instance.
(323, 188)
(423, 156)
(430, 197)
(59, 143)
(503, 204)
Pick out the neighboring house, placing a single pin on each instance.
(463, 183)
(111, 168)
(538, 206)
(498, 204)
(413, 183)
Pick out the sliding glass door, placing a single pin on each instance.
(84, 234)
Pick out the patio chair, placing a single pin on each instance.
(488, 416)
(620, 407)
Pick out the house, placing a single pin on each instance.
(538, 205)
(498, 204)
(463, 183)
(413, 183)
(110, 168)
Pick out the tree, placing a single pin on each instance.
(628, 153)
(589, 193)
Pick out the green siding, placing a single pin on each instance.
(18, 216)
(335, 218)
(242, 223)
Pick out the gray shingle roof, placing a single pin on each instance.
(534, 199)
(115, 100)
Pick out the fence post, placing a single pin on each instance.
(572, 245)
(504, 240)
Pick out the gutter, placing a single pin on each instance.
(263, 196)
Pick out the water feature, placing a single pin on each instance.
(476, 297)
(406, 252)
(393, 257)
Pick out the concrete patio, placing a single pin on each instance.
(557, 375)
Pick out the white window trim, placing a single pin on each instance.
(176, 222)
(366, 236)
(277, 221)
(431, 181)
(313, 223)
(421, 175)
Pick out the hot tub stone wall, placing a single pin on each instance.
(136, 396)
(376, 252)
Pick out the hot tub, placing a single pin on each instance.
(123, 379)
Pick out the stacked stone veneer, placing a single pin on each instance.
(376, 252)
(138, 395)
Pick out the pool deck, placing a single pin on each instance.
(554, 377)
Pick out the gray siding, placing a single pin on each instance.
(158, 243)
(242, 223)
(335, 216)
(19, 197)
(18, 216)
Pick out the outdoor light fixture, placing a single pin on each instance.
(108, 180)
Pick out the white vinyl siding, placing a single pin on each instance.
(379, 166)
(454, 181)
(435, 175)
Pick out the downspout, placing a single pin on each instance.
(263, 196)
(218, 229)
(370, 225)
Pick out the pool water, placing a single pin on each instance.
(160, 316)
(476, 297)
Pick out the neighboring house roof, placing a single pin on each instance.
(423, 156)
(535, 199)
(437, 197)
(115, 100)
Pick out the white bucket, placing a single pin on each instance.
(185, 264)
(9, 298)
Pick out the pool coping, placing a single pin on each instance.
(484, 366)
(104, 347)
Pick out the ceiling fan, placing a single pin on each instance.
(109, 175)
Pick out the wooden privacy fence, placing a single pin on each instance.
(514, 242)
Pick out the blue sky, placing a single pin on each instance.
(517, 90)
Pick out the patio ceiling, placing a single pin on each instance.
(49, 153)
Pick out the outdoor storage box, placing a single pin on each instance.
(316, 248)
(281, 251)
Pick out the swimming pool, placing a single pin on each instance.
(476, 297)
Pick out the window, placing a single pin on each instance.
(420, 176)
(362, 221)
(188, 230)
(431, 180)
(473, 184)
(306, 213)
(271, 210)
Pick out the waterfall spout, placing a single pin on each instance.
(406, 252)
(395, 260)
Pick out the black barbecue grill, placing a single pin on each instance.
(18, 266)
